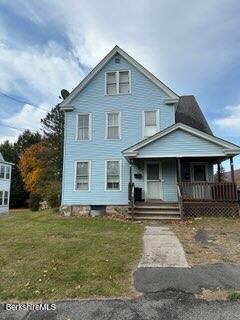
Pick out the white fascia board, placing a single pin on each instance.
(66, 108)
(171, 101)
(147, 156)
(103, 62)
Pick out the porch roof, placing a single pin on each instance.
(180, 140)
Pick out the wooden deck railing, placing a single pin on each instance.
(208, 191)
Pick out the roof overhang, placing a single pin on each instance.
(66, 108)
(7, 163)
(102, 63)
(229, 149)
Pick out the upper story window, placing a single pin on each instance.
(117, 82)
(82, 176)
(112, 125)
(4, 172)
(150, 123)
(84, 126)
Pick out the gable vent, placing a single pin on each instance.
(117, 59)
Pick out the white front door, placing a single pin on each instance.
(153, 180)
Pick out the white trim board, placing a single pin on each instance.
(230, 147)
(102, 63)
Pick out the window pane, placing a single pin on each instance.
(113, 175)
(123, 77)
(113, 119)
(111, 77)
(1, 198)
(5, 198)
(153, 172)
(150, 118)
(2, 170)
(82, 176)
(7, 172)
(199, 172)
(112, 88)
(150, 131)
(113, 133)
(83, 127)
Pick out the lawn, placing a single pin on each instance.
(210, 240)
(45, 256)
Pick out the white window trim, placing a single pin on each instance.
(5, 172)
(117, 80)
(143, 121)
(90, 126)
(2, 204)
(192, 164)
(120, 176)
(89, 175)
(119, 124)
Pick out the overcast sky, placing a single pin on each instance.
(192, 46)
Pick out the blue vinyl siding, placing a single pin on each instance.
(144, 96)
(182, 143)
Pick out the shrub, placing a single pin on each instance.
(52, 194)
(34, 201)
(233, 296)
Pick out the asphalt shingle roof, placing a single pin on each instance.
(188, 112)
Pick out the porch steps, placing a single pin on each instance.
(156, 211)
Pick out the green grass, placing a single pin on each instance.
(44, 256)
(233, 296)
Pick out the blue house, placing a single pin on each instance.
(5, 182)
(131, 142)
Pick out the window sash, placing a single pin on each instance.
(1, 198)
(83, 127)
(82, 176)
(113, 175)
(113, 125)
(7, 172)
(5, 199)
(124, 82)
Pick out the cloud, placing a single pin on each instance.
(38, 73)
(229, 124)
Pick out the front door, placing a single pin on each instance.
(153, 181)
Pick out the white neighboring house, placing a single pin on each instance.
(5, 183)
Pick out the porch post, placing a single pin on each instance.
(219, 171)
(131, 188)
(179, 171)
(232, 169)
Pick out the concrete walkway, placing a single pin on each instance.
(162, 249)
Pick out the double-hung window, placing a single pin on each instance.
(150, 123)
(82, 175)
(112, 125)
(7, 172)
(2, 172)
(113, 175)
(84, 126)
(4, 198)
(117, 82)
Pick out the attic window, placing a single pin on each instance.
(117, 82)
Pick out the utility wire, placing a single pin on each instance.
(12, 127)
(22, 101)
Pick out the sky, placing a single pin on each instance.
(192, 46)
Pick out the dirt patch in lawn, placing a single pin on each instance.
(209, 240)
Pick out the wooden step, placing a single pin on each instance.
(158, 217)
(156, 207)
(161, 212)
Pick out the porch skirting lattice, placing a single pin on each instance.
(199, 209)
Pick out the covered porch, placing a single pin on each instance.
(177, 167)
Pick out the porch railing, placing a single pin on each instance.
(209, 191)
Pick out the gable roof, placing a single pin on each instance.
(231, 149)
(3, 161)
(188, 112)
(66, 103)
